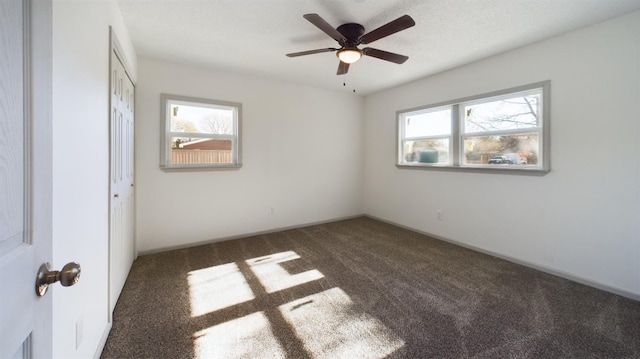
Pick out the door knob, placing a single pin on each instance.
(68, 276)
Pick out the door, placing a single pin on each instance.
(121, 217)
(25, 176)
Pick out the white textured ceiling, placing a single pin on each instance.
(253, 36)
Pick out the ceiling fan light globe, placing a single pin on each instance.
(349, 56)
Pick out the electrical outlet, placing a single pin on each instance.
(439, 215)
(272, 211)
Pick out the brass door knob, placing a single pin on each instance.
(68, 276)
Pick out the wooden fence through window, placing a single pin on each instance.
(179, 156)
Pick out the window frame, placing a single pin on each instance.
(436, 137)
(166, 134)
(456, 155)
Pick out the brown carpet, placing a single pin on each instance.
(360, 288)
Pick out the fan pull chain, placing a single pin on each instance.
(344, 82)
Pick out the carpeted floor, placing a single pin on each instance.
(360, 288)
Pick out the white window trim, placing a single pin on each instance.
(166, 134)
(457, 134)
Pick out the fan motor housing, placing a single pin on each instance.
(352, 32)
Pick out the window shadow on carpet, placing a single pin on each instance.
(360, 288)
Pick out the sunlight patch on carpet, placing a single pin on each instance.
(218, 287)
(247, 337)
(330, 327)
(274, 277)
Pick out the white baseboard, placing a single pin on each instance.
(548, 270)
(210, 241)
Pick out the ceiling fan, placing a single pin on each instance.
(350, 35)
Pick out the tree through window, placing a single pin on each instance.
(199, 133)
(505, 130)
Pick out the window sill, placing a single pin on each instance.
(191, 168)
(484, 169)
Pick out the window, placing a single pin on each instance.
(427, 136)
(505, 131)
(199, 133)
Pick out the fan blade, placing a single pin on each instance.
(321, 24)
(311, 52)
(384, 55)
(399, 24)
(343, 68)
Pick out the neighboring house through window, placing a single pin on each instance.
(504, 131)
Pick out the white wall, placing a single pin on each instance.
(583, 218)
(80, 166)
(301, 153)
